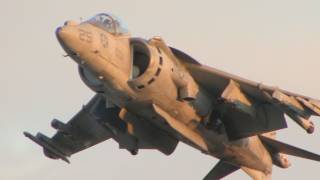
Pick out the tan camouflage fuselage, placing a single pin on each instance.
(165, 90)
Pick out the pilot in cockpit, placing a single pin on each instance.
(110, 23)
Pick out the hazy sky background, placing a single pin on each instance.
(276, 42)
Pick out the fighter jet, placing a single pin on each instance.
(149, 95)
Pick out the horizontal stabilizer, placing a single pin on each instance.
(277, 146)
(222, 169)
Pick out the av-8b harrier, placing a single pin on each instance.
(152, 96)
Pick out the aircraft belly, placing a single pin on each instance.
(251, 153)
(248, 152)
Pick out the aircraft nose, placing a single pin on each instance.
(64, 32)
(68, 31)
(68, 35)
(58, 30)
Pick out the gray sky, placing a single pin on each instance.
(274, 42)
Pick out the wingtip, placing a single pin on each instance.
(47, 148)
(27, 134)
(30, 136)
(66, 160)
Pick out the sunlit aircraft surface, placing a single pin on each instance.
(152, 96)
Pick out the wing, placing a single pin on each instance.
(84, 130)
(96, 123)
(261, 108)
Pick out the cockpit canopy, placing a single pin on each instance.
(109, 23)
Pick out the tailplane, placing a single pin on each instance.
(277, 146)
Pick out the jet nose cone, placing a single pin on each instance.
(68, 38)
(67, 25)
(58, 30)
(61, 32)
(68, 34)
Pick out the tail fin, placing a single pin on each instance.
(277, 146)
